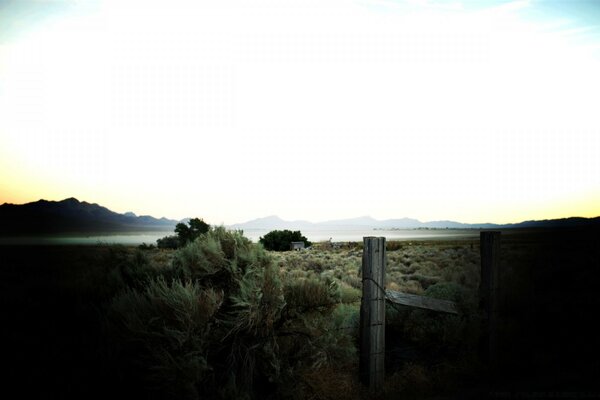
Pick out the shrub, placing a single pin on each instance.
(168, 242)
(349, 294)
(424, 280)
(393, 245)
(311, 293)
(437, 332)
(318, 334)
(446, 291)
(281, 240)
(213, 320)
(162, 332)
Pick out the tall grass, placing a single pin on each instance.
(162, 331)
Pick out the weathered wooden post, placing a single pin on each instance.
(372, 313)
(489, 296)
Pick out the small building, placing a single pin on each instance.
(297, 246)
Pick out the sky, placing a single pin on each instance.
(231, 110)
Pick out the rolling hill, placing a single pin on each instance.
(361, 223)
(73, 216)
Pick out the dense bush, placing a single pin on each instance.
(163, 334)
(168, 242)
(311, 293)
(209, 318)
(219, 323)
(281, 240)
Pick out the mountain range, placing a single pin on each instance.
(366, 222)
(74, 216)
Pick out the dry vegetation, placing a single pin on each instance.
(222, 318)
(411, 267)
(426, 352)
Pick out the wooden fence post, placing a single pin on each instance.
(489, 296)
(372, 313)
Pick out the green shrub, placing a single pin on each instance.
(200, 259)
(281, 240)
(162, 333)
(446, 291)
(352, 280)
(335, 342)
(393, 245)
(424, 280)
(440, 332)
(349, 294)
(168, 242)
(318, 337)
(214, 321)
(466, 299)
(145, 246)
(311, 293)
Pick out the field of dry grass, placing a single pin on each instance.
(411, 267)
(426, 352)
(547, 280)
(55, 298)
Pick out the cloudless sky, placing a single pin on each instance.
(308, 109)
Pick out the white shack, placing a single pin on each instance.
(297, 246)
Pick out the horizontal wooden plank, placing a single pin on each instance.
(427, 303)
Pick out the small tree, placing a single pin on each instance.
(185, 234)
(189, 233)
(281, 240)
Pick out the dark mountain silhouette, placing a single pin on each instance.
(73, 216)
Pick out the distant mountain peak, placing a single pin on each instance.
(272, 222)
(368, 222)
(273, 217)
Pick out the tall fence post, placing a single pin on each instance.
(489, 296)
(372, 313)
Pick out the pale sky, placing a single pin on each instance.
(232, 110)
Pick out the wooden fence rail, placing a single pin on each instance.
(427, 303)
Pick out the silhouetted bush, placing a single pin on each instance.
(213, 321)
(164, 334)
(281, 240)
(168, 242)
(189, 233)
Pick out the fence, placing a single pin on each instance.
(374, 295)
